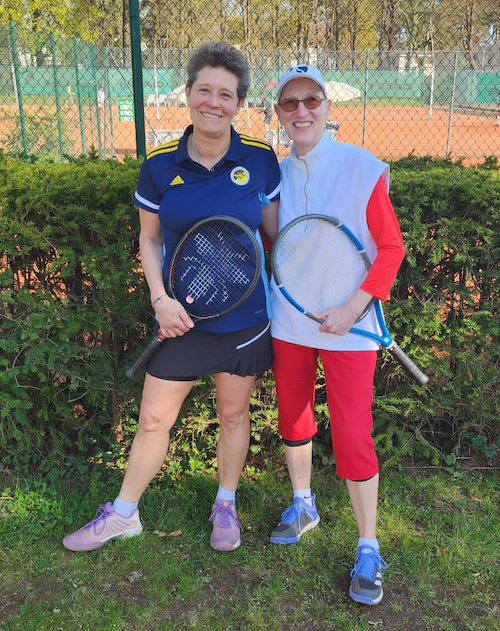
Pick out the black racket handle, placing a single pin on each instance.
(408, 365)
(144, 357)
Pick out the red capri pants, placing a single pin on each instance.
(349, 389)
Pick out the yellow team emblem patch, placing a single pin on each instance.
(177, 180)
(240, 176)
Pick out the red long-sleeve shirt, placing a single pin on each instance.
(384, 227)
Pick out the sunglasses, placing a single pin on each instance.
(311, 102)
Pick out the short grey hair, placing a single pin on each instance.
(220, 55)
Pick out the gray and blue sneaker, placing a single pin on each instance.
(295, 521)
(366, 584)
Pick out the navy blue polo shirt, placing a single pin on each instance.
(183, 192)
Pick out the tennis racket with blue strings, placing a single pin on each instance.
(213, 269)
(317, 263)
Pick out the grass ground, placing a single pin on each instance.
(439, 532)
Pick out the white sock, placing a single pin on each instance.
(305, 495)
(373, 543)
(125, 509)
(224, 494)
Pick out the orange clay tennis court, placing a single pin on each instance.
(390, 132)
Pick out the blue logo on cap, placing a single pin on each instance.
(302, 69)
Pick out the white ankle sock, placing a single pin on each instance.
(224, 494)
(125, 509)
(368, 542)
(305, 495)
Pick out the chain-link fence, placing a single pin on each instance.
(61, 97)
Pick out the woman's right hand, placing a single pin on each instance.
(172, 317)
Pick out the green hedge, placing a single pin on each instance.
(75, 308)
(446, 301)
(72, 301)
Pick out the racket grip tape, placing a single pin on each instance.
(144, 357)
(408, 365)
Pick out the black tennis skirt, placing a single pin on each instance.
(196, 353)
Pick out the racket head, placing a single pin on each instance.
(318, 263)
(214, 267)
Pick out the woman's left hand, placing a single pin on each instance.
(339, 320)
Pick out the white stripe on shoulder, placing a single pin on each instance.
(275, 192)
(146, 202)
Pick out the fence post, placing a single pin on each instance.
(56, 92)
(431, 96)
(135, 39)
(452, 100)
(79, 96)
(96, 98)
(17, 88)
(110, 101)
(365, 100)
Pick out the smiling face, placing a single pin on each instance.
(305, 127)
(213, 100)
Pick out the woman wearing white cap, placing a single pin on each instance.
(349, 183)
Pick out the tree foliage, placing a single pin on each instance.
(355, 25)
(98, 21)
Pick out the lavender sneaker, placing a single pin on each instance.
(106, 525)
(226, 527)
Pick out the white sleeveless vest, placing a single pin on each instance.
(335, 179)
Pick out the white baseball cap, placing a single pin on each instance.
(300, 72)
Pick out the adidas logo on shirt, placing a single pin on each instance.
(177, 180)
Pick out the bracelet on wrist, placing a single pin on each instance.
(156, 299)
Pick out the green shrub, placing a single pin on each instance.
(75, 307)
(72, 301)
(445, 308)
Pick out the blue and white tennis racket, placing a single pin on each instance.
(318, 263)
(214, 268)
